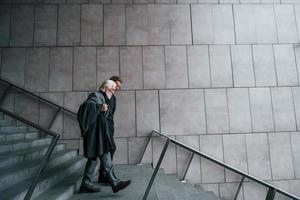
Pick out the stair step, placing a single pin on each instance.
(8, 159)
(12, 129)
(49, 178)
(65, 188)
(23, 144)
(18, 136)
(26, 169)
(4, 122)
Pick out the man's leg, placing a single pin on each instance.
(107, 165)
(86, 184)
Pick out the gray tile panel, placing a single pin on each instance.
(46, 113)
(84, 69)
(136, 25)
(31, 112)
(108, 62)
(61, 69)
(245, 24)
(258, 156)
(125, 115)
(254, 190)
(122, 1)
(228, 191)
(261, 109)
(136, 146)
(213, 146)
(176, 67)
(295, 139)
(5, 11)
(45, 28)
(193, 174)
(37, 69)
(281, 156)
(114, 25)
(180, 24)
(154, 69)
(242, 66)
(158, 25)
(71, 129)
(216, 111)
(286, 24)
(168, 163)
(72, 100)
(265, 25)
(297, 15)
(285, 63)
(235, 154)
(121, 154)
(264, 65)
(22, 20)
(198, 66)
(91, 25)
(147, 112)
(182, 112)
(239, 110)
(220, 65)
(131, 67)
(296, 100)
(68, 25)
(283, 109)
(144, 1)
(223, 24)
(202, 19)
(13, 65)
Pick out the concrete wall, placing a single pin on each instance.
(219, 75)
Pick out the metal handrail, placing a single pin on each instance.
(55, 136)
(272, 188)
(36, 96)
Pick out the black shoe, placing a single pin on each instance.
(120, 186)
(89, 189)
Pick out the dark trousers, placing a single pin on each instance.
(105, 163)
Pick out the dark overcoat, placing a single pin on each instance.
(97, 138)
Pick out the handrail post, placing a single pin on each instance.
(41, 169)
(239, 188)
(144, 150)
(187, 167)
(156, 169)
(271, 194)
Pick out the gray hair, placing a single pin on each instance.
(107, 84)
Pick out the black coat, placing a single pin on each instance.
(97, 138)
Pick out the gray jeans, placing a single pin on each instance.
(106, 164)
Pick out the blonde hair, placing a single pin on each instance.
(107, 84)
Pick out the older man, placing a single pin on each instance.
(98, 139)
(102, 178)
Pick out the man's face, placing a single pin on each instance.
(118, 85)
(111, 90)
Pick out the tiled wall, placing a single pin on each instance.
(219, 75)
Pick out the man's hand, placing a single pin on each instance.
(104, 107)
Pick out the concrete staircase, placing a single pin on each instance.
(165, 187)
(21, 153)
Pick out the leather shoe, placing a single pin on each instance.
(120, 186)
(88, 189)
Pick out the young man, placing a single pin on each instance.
(102, 178)
(98, 141)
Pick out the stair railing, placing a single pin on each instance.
(55, 136)
(48, 153)
(272, 190)
(10, 86)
